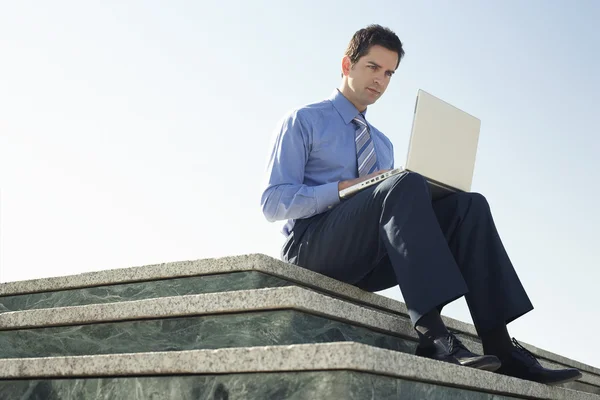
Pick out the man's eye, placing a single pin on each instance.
(389, 74)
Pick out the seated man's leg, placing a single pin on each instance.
(390, 225)
(496, 295)
(393, 219)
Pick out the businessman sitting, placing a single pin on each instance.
(392, 233)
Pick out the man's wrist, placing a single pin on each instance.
(327, 196)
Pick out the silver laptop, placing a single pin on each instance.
(442, 148)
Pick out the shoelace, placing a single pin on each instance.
(455, 343)
(524, 351)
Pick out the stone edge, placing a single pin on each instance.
(247, 262)
(287, 297)
(330, 356)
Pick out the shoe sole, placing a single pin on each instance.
(485, 363)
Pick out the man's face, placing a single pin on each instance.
(369, 77)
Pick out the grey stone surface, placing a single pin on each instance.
(582, 387)
(279, 327)
(250, 262)
(142, 290)
(295, 358)
(290, 297)
(337, 385)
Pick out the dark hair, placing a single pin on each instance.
(373, 35)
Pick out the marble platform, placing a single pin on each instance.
(233, 302)
(315, 371)
(256, 317)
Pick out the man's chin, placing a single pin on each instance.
(370, 101)
(372, 98)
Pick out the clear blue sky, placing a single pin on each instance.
(137, 132)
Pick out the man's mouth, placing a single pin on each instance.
(373, 91)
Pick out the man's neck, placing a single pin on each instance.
(347, 93)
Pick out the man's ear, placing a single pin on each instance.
(346, 66)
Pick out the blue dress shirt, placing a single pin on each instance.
(313, 151)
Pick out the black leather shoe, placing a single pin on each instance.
(450, 349)
(524, 365)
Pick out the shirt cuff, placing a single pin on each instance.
(327, 196)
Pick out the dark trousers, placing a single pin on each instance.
(393, 234)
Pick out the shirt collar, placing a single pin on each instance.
(344, 107)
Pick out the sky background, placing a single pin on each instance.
(137, 132)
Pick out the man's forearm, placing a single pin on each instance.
(298, 201)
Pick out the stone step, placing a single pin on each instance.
(114, 291)
(169, 279)
(215, 275)
(283, 315)
(287, 315)
(315, 371)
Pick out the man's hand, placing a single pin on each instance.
(346, 184)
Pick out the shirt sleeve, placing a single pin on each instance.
(286, 196)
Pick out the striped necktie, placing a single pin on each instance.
(365, 151)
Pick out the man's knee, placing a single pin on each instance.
(474, 202)
(406, 182)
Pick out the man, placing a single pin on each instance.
(392, 233)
